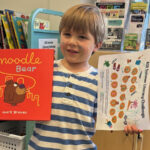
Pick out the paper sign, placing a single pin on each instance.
(123, 90)
(49, 44)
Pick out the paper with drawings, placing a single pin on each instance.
(123, 90)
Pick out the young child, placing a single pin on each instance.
(74, 101)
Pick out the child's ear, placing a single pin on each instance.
(97, 46)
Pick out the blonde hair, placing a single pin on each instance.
(84, 18)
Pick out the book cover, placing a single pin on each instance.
(17, 14)
(112, 9)
(12, 33)
(17, 25)
(3, 37)
(114, 39)
(7, 32)
(24, 24)
(131, 41)
(26, 84)
(147, 41)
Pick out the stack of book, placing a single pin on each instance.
(13, 29)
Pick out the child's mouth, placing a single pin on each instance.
(72, 51)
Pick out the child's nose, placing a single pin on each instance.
(73, 40)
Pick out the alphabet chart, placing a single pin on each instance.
(123, 90)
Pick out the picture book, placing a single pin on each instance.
(17, 25)
(123, 91)
(131, 42)
(147, 41)
(26, 84)
(139, 7)
(112, 9)
(135, 27)
(12, 33)
(3, 37)
(7, 32)
(17, 14)
(113, 14)
(114, 39)
(24, 24)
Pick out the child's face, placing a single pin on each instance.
(77, 47)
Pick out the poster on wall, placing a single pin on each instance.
(26, 84)
(123, 90)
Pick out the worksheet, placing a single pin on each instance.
(123, 90)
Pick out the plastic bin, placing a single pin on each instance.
(12, 135)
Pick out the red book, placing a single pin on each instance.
(26, 77)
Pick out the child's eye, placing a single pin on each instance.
(67, 34)
(82, 37)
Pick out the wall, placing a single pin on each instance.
(60, 5)
(27, 6)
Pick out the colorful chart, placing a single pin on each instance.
(123, 90)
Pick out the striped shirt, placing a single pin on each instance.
(74, 105)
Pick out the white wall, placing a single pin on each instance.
(27, 6)
(60, 5)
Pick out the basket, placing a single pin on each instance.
(12, 135)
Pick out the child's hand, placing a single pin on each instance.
(131, 129)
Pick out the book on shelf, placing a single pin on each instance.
(135, 26)
(10, 25)
(114, 39)
(17, 14)
(147, 41)
(131, 42)
(1, 32)
(19, 32)
(26, 84)
(3, 37)
(112, 9)
(113, 14)
(7, 32)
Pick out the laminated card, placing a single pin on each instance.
(26, 84)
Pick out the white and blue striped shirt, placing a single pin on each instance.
(74, 105)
